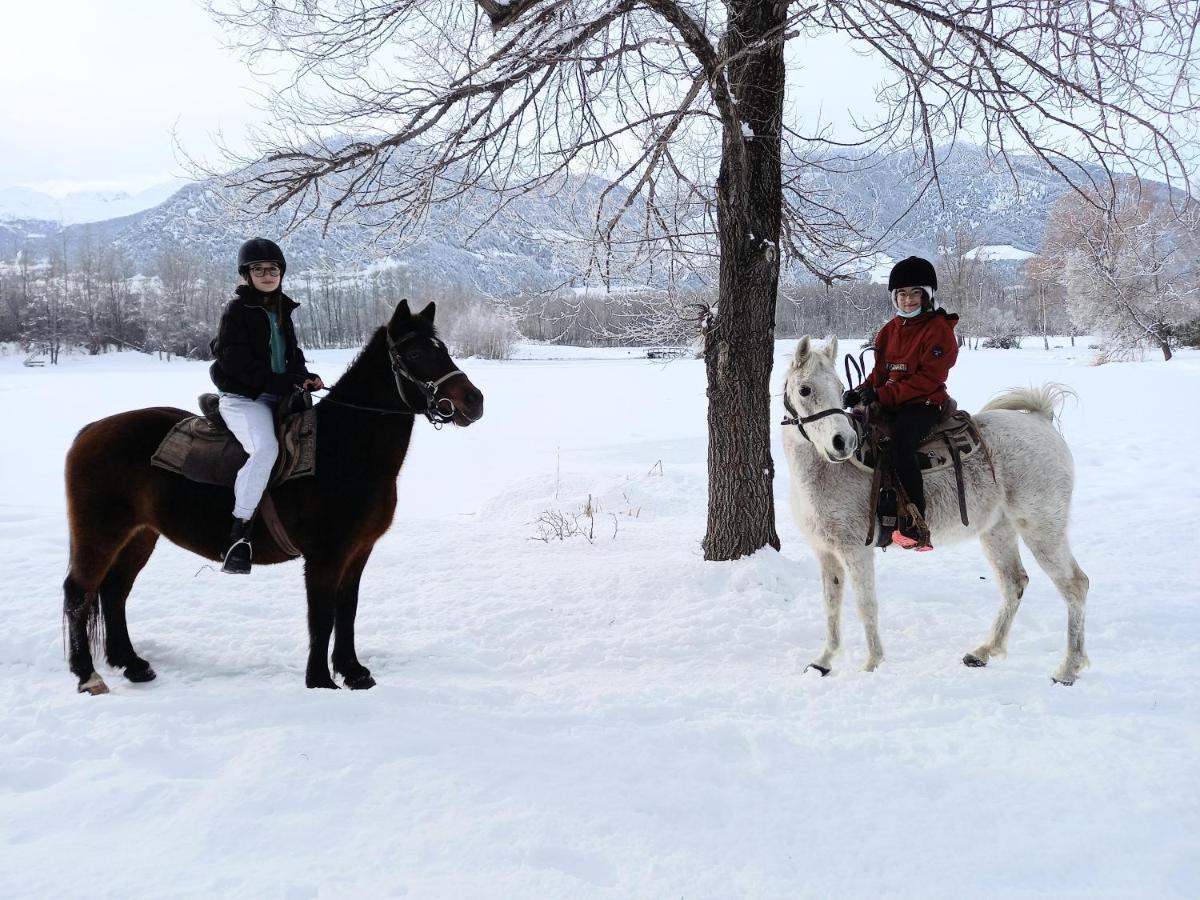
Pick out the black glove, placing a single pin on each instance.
(868, 395)
(850, 398)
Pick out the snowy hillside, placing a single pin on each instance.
(619, 718)
(981, 198)
(75, 207)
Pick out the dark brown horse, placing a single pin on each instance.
(118, 504)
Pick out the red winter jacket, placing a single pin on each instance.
(912, 359)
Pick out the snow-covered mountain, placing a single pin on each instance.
(984, 200)
(535, 243)
(75, 207)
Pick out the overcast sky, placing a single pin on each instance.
(93, 89)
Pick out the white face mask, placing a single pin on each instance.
(920, 309)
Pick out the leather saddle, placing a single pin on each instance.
(202, 449)
(954, 438)
(954, 435)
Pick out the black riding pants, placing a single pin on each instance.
(910, 425)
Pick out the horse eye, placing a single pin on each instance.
(805, 390)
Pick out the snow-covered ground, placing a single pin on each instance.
(993, 252)
(614, 718)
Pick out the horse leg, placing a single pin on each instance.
(114, 590)
(1000, 546)
(345, 659)
(321, 582)
(1053, 554)
(833, 580)
(860, 565)
(82, 615)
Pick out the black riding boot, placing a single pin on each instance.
(237, 557)
(909, 427)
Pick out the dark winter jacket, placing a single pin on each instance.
(913, 358)
(242, 347)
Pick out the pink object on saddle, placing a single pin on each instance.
(904, 542)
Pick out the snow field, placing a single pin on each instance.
(615, 718)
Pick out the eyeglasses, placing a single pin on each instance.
(265, 271)
(910, 294)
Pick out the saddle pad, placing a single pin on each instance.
(201, 452)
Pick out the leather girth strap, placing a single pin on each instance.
(956, 458)
(270, 517)
(873, 512)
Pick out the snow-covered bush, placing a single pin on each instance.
(479, 331)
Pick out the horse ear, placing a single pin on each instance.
(427, 312)
(831, 348)
(802, 348)
(400, 317)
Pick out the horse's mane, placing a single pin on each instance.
(1045, 401)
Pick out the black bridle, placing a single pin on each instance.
(434, 411)
(438, 410)
(794, 418)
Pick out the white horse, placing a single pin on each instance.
(1030, 496)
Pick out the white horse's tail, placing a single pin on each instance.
(1045, 401)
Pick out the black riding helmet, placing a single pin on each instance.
(910, 272)
(260, 250)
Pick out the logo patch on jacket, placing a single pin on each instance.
(897, 367)
(938, 351)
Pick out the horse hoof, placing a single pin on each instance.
(139, 675)
(360, 682)
(824, 671)
(325, 682)
(94, 686)
(974, 661)
(1062, 681)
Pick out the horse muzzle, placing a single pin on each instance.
(841, 448)
(463, 409)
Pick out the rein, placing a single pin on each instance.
(860, 366)
(374, 409)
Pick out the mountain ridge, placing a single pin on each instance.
(539, 242)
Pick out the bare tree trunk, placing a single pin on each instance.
(740, 339)
(1042, 302)
(1160, 334)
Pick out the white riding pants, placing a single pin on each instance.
(253, 424)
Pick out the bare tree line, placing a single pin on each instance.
(94, 299)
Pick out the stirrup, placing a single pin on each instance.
(237, 564)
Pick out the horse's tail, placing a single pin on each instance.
(1046, 401)
(73, 597)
